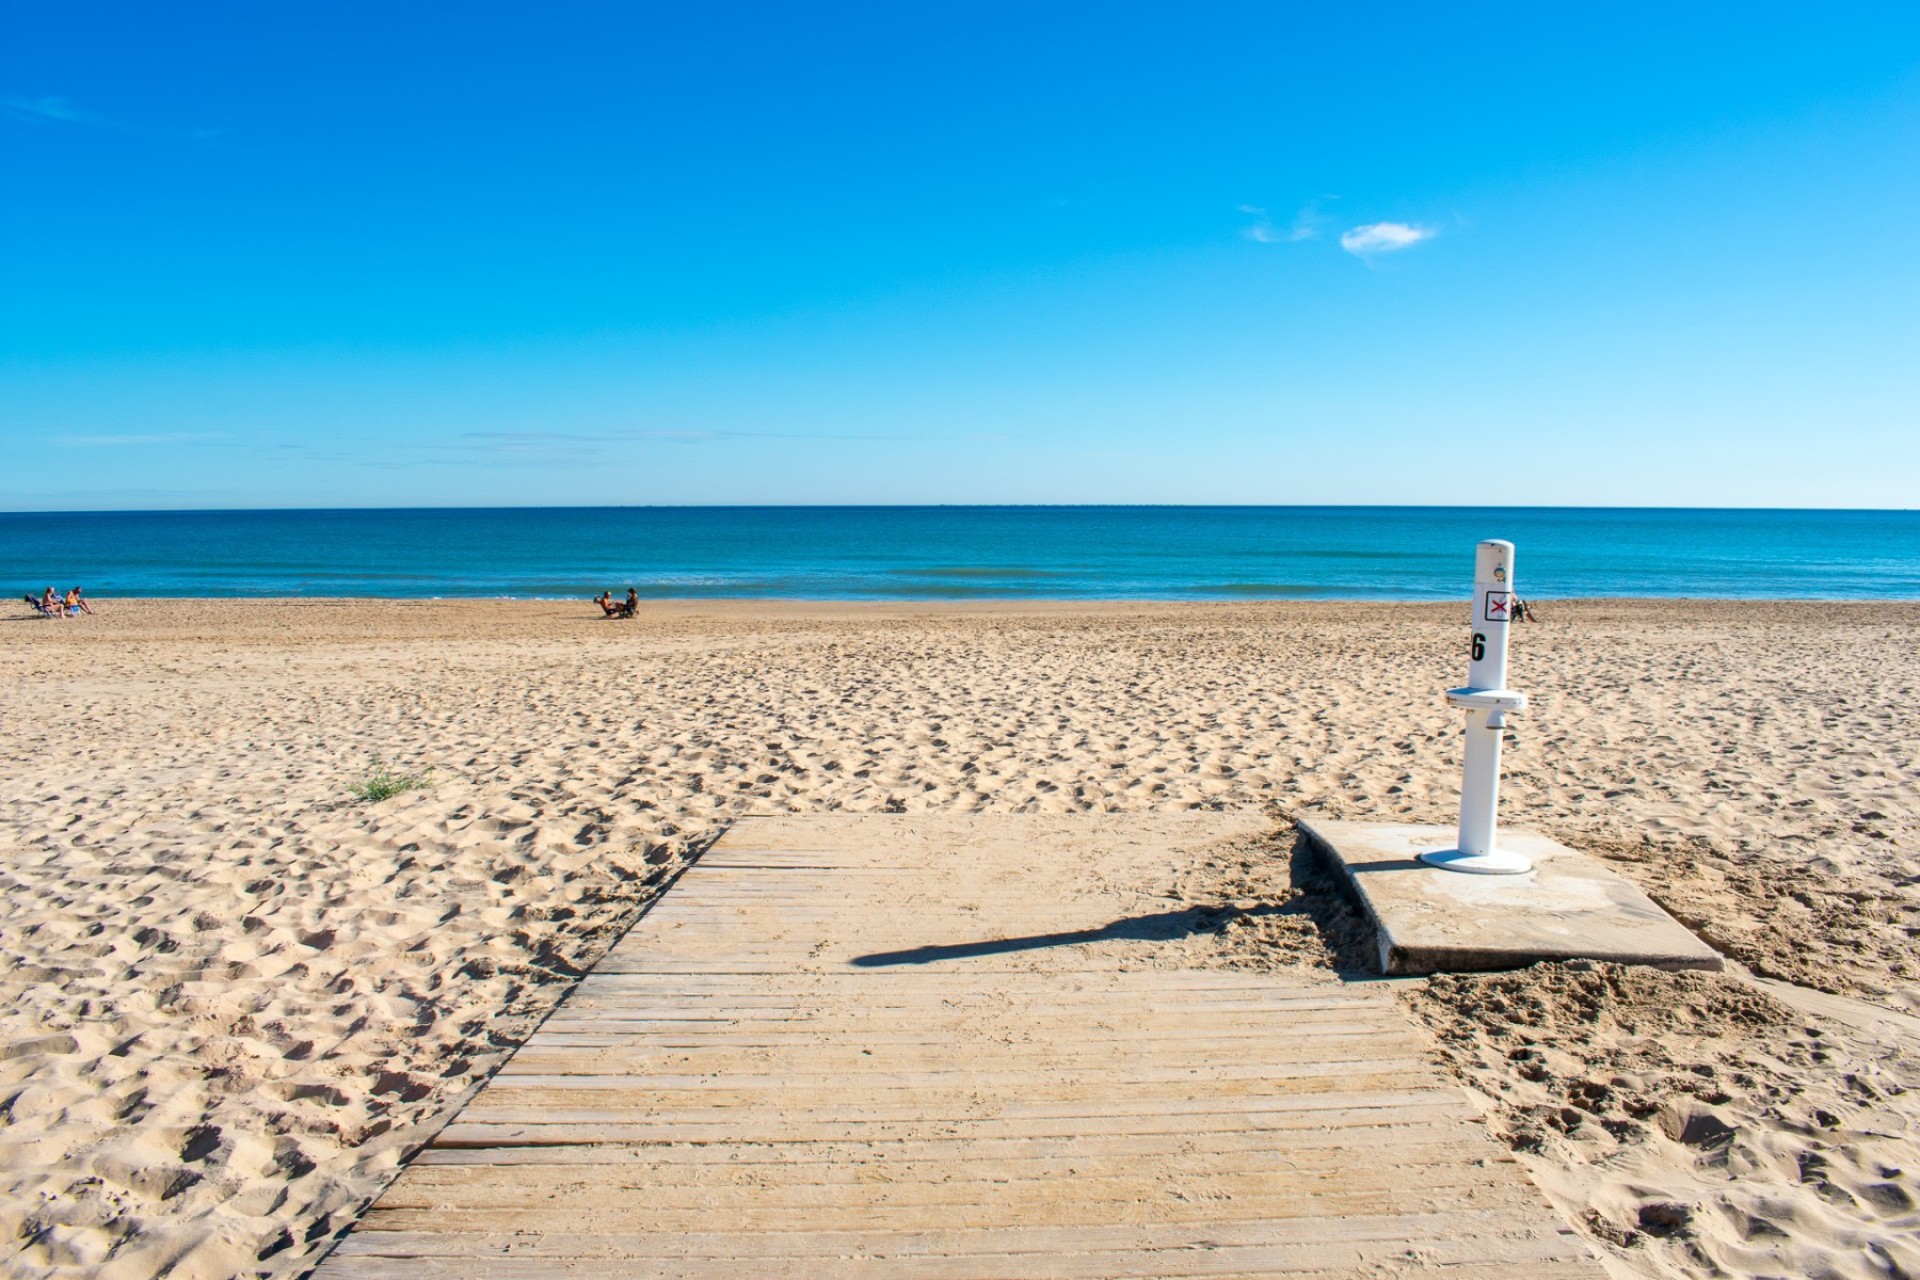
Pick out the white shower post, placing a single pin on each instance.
(1486, 700)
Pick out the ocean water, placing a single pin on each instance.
(1177, 553)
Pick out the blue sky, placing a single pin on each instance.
(306, 254)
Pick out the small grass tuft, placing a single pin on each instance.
(384, 783)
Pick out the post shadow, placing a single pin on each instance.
(1317, 894)
(1161, 926)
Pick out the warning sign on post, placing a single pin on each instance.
(1499, 606)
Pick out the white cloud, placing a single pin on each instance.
(1384, 237)
(1306, 226)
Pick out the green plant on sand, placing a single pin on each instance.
(383, 783)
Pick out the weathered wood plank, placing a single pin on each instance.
(1088, 1040)
(1147, 1108)
(1298, 1242)
(982, 1198)
(858, 1182)
(1439, 1127)
(1259, 1077)
(979, 1267)
(717, 1126)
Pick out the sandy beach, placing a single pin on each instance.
(233, 995)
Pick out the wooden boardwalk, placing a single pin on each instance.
(957, 1047)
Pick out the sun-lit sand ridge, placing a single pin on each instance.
(234, 995)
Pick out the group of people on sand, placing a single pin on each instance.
(611, 608)
(55, 605)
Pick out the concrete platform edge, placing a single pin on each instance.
(1324, 847)
(1398, 959)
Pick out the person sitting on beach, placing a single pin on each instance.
(632, 606)
(607, 607)
(51, 606)
(77, 604)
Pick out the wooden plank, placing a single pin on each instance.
(1304, 1240)
(1116, 1267)
(719, 1126)
(1087, 1041)
(827, 1163)
(853, 1209)
(934, 977)
(1321, 1061)
(1014, 1081)
(1441, 1127)
(876, 1198)
(1152, 1107)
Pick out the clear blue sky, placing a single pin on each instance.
(342, 254)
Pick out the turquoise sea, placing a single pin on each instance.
(1174, 553)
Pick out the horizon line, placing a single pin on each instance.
(941, 506)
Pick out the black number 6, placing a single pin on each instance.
(1479, 646)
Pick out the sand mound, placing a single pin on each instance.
(1822, 927)
(1692, 1125)
(1273, 902)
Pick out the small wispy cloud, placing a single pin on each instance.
(1305, 225)
(59, 111)
(534, 441)
(116, 441)
(1384, 237)
(46, 111)
(544, 441)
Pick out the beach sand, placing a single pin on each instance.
(233, 996)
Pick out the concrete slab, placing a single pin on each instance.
(1569, 907)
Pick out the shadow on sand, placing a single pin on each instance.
(1314, 892)
(1161, 926)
